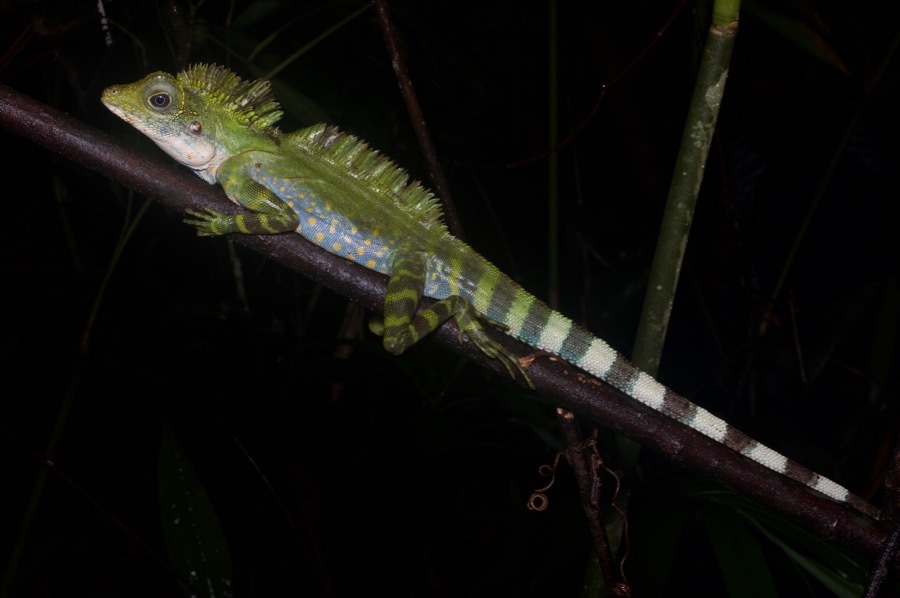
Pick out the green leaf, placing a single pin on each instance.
(198, 550)
(834, 581)
(839, 571)
(841, 581)
(740, 557)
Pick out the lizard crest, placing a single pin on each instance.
(250, 103)
(201, 118)
(355, 158)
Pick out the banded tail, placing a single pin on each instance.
(534, 323)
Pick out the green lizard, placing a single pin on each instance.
(347, 198)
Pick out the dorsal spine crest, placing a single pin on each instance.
(251, 103)
(355, 158)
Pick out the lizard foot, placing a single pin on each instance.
(493, 349)
(208, 223)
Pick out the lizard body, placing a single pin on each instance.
(338, 193)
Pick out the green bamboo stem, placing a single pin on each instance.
(688, 175)
(678, 215)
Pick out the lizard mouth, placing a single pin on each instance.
(109, 100)
(121, 114)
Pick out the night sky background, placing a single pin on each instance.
(336, 469)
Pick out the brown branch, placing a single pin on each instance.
(569, 387)
(588, 486)
(886, 562)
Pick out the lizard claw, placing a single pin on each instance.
(205, 222)
(495, 350)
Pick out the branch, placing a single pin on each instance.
(569, 387)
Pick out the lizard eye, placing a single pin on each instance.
(195, 127)
(160, 101)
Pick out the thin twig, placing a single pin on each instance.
(441, 188)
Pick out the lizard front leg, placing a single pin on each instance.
(403, 327)
(270, 213)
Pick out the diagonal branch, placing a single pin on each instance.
(570, 388)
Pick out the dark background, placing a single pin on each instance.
(336, 469)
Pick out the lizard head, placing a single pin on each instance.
(192, 116)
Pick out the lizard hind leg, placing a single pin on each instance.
(403, 327)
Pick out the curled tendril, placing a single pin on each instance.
(538, 500)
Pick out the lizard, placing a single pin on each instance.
(337, 192)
